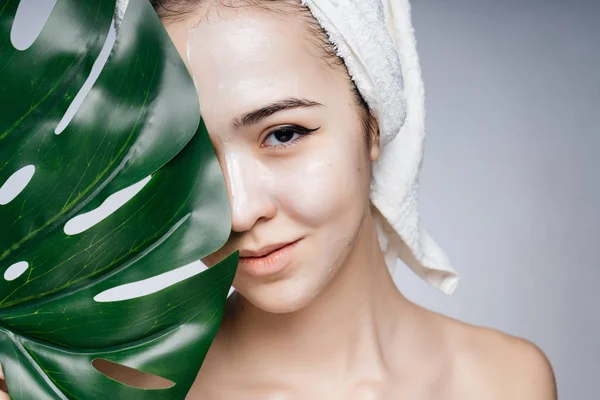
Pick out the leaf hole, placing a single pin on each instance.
(130, 376)
(151, 285)
(99, 64)
(85, 221)
(29, 21)
(15, 184)
(16, 270)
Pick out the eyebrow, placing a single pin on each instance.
(256, 116)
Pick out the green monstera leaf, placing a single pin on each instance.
(138, 134)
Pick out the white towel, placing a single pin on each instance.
(376, 40)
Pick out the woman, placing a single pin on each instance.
(300, 138)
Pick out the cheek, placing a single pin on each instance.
(324, 184)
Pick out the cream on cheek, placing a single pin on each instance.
(308, 187)
(324, 192)
(317, 192)
(314, 186)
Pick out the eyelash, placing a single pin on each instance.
(293, 129)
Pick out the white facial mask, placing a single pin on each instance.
(316, 188)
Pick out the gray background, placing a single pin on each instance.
(510, 185)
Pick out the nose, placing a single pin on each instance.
(249, 194)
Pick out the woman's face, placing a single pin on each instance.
(287, 133)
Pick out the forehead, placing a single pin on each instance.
(247, 58)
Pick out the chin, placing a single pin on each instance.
(280, 297)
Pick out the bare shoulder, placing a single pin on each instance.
(493, 365)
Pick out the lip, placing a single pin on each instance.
(267, 260)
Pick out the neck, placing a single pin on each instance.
(344, 327)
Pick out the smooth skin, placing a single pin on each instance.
(331, 324)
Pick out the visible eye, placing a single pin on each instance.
(286, 136)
